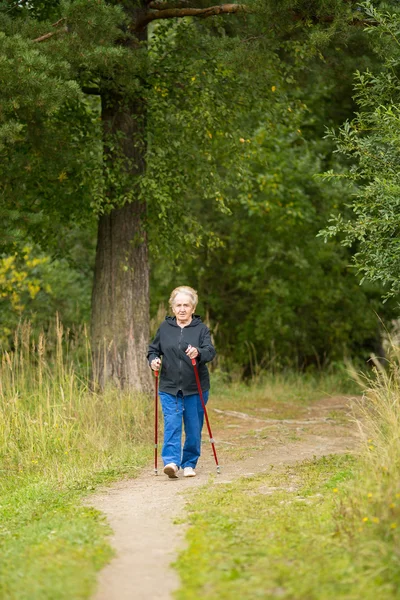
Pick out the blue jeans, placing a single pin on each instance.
(175, 409)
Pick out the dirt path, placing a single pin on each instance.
(142, 511)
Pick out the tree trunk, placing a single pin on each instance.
(120, 299)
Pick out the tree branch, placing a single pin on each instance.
(47, 36)
(173, 13)
(57, 23)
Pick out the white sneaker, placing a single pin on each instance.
(171, 470)
(189, 472)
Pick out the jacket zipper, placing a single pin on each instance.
(180, 361)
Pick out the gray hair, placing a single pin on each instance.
(184, 289)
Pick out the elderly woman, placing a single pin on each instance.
(178, 340)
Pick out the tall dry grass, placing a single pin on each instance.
(53, 425)
(368, 513)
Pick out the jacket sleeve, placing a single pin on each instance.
(154, 350)
(206, 349)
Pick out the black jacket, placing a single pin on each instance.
(177, 371)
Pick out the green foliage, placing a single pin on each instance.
(33, 288)
(227, 114)
(46, 85)
(37, 9)
(204, 109)
(48, 166)
(370, 141)
(19, 284)
(51, 175)
(274, 293)
(190, 135)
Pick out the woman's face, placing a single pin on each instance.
(182, 307)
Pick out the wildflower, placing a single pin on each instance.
(371, 447)
(375, 520)
(365, 519)
(335, 490)
(369, 495)
(392, 505)
(273, 88)
(393, 526)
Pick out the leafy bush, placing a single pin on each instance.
(370, 142)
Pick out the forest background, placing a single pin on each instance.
(232, 129)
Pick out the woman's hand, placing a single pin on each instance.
(192, 352)
(156, 364)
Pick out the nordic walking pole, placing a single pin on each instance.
(196, 374)
(156, 422)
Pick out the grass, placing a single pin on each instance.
(51, 546)
(319, 530)
(276, 536)
(287, 388)
(268, 536)
(370, 509)
(58, 442)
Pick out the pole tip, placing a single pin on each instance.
(219, 470)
